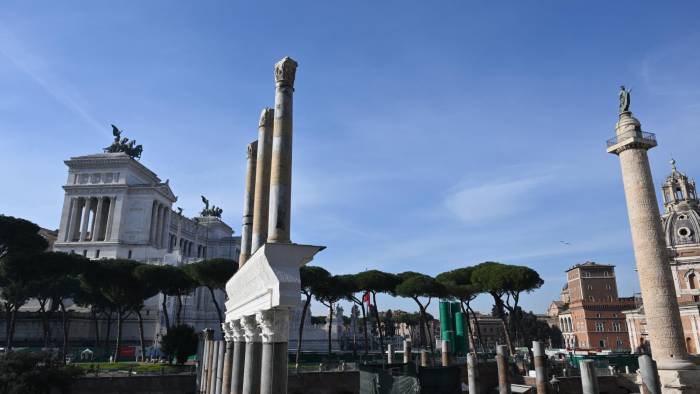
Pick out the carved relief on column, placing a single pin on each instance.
(274, 325)
(251, 329)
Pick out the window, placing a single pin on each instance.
(597, 315)
(72, 251)
(591, 298)
(614, 314)
(602, 343)
(85, 252)
(606, 273)
(600, 326)
(616, 326)
(590, 287)
(97, 254)
(129, 254)
(608, 286)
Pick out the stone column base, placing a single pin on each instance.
(683, 381)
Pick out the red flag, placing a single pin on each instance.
(365, 298)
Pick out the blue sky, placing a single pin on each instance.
(428, 135)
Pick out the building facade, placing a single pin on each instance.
(681, 225)
(590, 312)
(115, 207)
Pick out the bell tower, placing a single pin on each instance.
(678, 191)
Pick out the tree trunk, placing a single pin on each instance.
(301, 325)
(477, 326)
(64, 325)
(178, 314)
(330, 326)
(424, 321)
(11, 327)
(44, 322)
(8, 317)
(364, 322)
(216, 305)
(165, 312)
(472, 342)
(120, 321)
(108, 334)
(143, 342)
(97, 327)
(379, 323)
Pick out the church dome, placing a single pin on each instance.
(682, 228)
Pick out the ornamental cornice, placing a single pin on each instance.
(94, 191)
(99, 161)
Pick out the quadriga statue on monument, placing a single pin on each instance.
(124, 145)
(213, 211)
(624, 99)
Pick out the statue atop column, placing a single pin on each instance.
(624, 99)
(124, 145)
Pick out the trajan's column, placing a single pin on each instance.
(677, 373)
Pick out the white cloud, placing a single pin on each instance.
(474, 204)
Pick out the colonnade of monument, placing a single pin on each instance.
(252, 358)
(90, 219)
(159, 220)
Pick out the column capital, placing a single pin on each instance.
(251, 328)
(274, 324)
(285, 72)
(226, 328)
(267, 116)
(208, 333)
(237, 331)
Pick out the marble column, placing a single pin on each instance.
(274, 324)
(86, 219)
(540, 367)
(655, 277)
(261, 207)
(159, 226)
(110, 218)
(218, 382)
(249, 201)
(589, 379)
(502, 359)
(66, 218)
(206, 361)
(281, 163)
(154, 218)
(165, 225)
(228, 357)
(238, 362)
(253, 352)
(472, 373)
(97, 228)
(74, 221)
